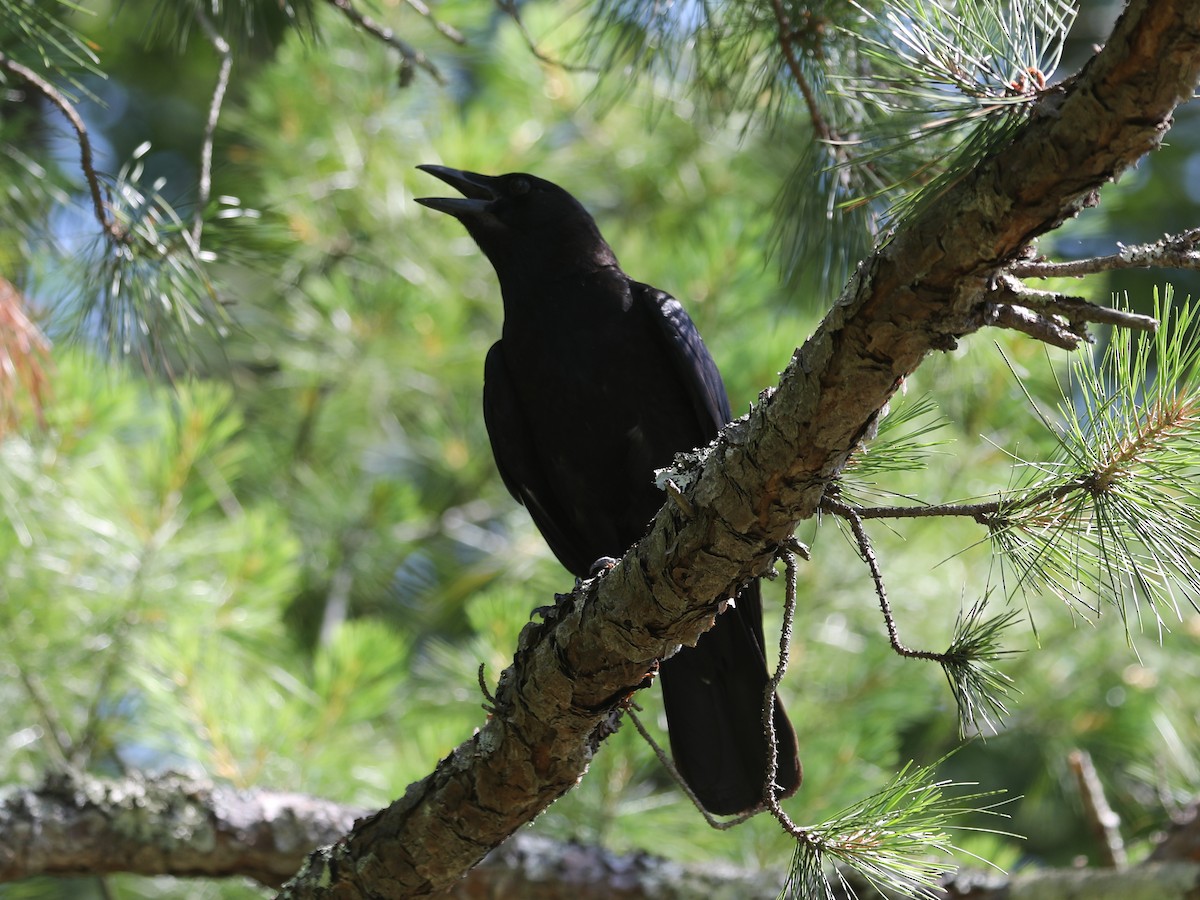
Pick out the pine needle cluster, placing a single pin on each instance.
(1114, 518)
(892, 839)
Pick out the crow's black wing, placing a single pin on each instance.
(518, 458)
(691, 358)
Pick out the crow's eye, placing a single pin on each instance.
(518, 187)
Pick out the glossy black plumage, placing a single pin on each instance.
(598, 380)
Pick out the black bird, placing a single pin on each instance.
(597, 381)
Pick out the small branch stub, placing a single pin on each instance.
(1056, 319)
(1180, 251)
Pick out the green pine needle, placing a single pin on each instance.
(945, 86)
(240, 22)
(146, 294)
(892, 838)
(979, 688)
(1114, 518)
(902, 444)
(32, 33)
(969, 58)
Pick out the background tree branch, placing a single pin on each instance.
(167, 825)
(924, 289)
(194, 828)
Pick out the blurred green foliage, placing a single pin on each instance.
(285, 570)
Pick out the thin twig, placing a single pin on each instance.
(1075, 310)
(989, 514)
(1178, 251)
(770, 799)
(60, 746)
(868, 554)
(983, 513)
(210, 127)
(1104, 821)
(447, 31)
(509, 8)
(669, 764)
(51, 93)
(1038, 327)
(785, 32)
(410, 54)
(992, 514)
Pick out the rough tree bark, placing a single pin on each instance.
(932, 283)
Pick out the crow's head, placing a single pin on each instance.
(521, 219)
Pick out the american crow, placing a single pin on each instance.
(597, 381)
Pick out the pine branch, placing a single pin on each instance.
(42, 39)
(1118, 493)
(915, 96)
(890, 839)
(947, 85)
(973, 58)
(110, 227)
(511, 9)
(877, 840)
(769, 469)
(978, 687)
(1053, 318)
(410, 56)
(784, 32)
(98, 826)
(144, 280)
(147, 296)
(1179, 251)
(447, 31)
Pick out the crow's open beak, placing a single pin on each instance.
(476, 189)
